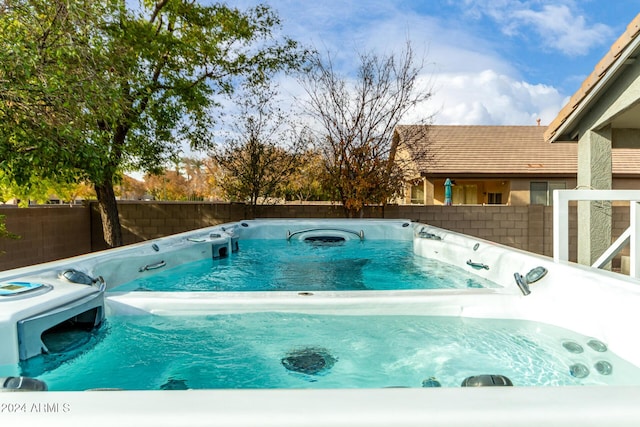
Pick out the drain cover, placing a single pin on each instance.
(310, 361)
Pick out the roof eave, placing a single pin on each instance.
(494, 175)
(604, 73)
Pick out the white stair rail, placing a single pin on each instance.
(631, 235)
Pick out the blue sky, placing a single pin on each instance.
(489, 62)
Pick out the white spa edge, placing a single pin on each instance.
(592, 302)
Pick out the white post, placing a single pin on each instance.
(634, 228)
(560, 225)
(561, 199)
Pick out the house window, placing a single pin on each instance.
(417, 194)
(538, 191)
(465, 194)
(494, 198)
(542, 192)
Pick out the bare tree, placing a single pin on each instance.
(261, 151)
(357, 120)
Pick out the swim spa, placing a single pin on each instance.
(304, 353)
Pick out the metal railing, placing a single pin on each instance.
(631, 236)
(360, 233)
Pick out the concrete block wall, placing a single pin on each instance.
(45, 234)
(142, 221)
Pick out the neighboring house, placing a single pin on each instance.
(511, 165)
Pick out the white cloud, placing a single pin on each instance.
(558, 23)
(561, 30)
(489, 98)
(473, 83)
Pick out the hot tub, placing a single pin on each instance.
(596, 306)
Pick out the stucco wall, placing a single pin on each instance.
(515, 191)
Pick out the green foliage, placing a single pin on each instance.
(90, 88)
(47, 94)
(41, 190)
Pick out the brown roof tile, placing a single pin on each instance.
(626, 161)
(505, 150)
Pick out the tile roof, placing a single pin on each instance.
(597, 75)
(625, 162)
(505, 150)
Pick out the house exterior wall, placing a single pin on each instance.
(520, 192)
(514, 192)
(626, 184)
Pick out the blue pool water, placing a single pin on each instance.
(277, 264)
(253, 351)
